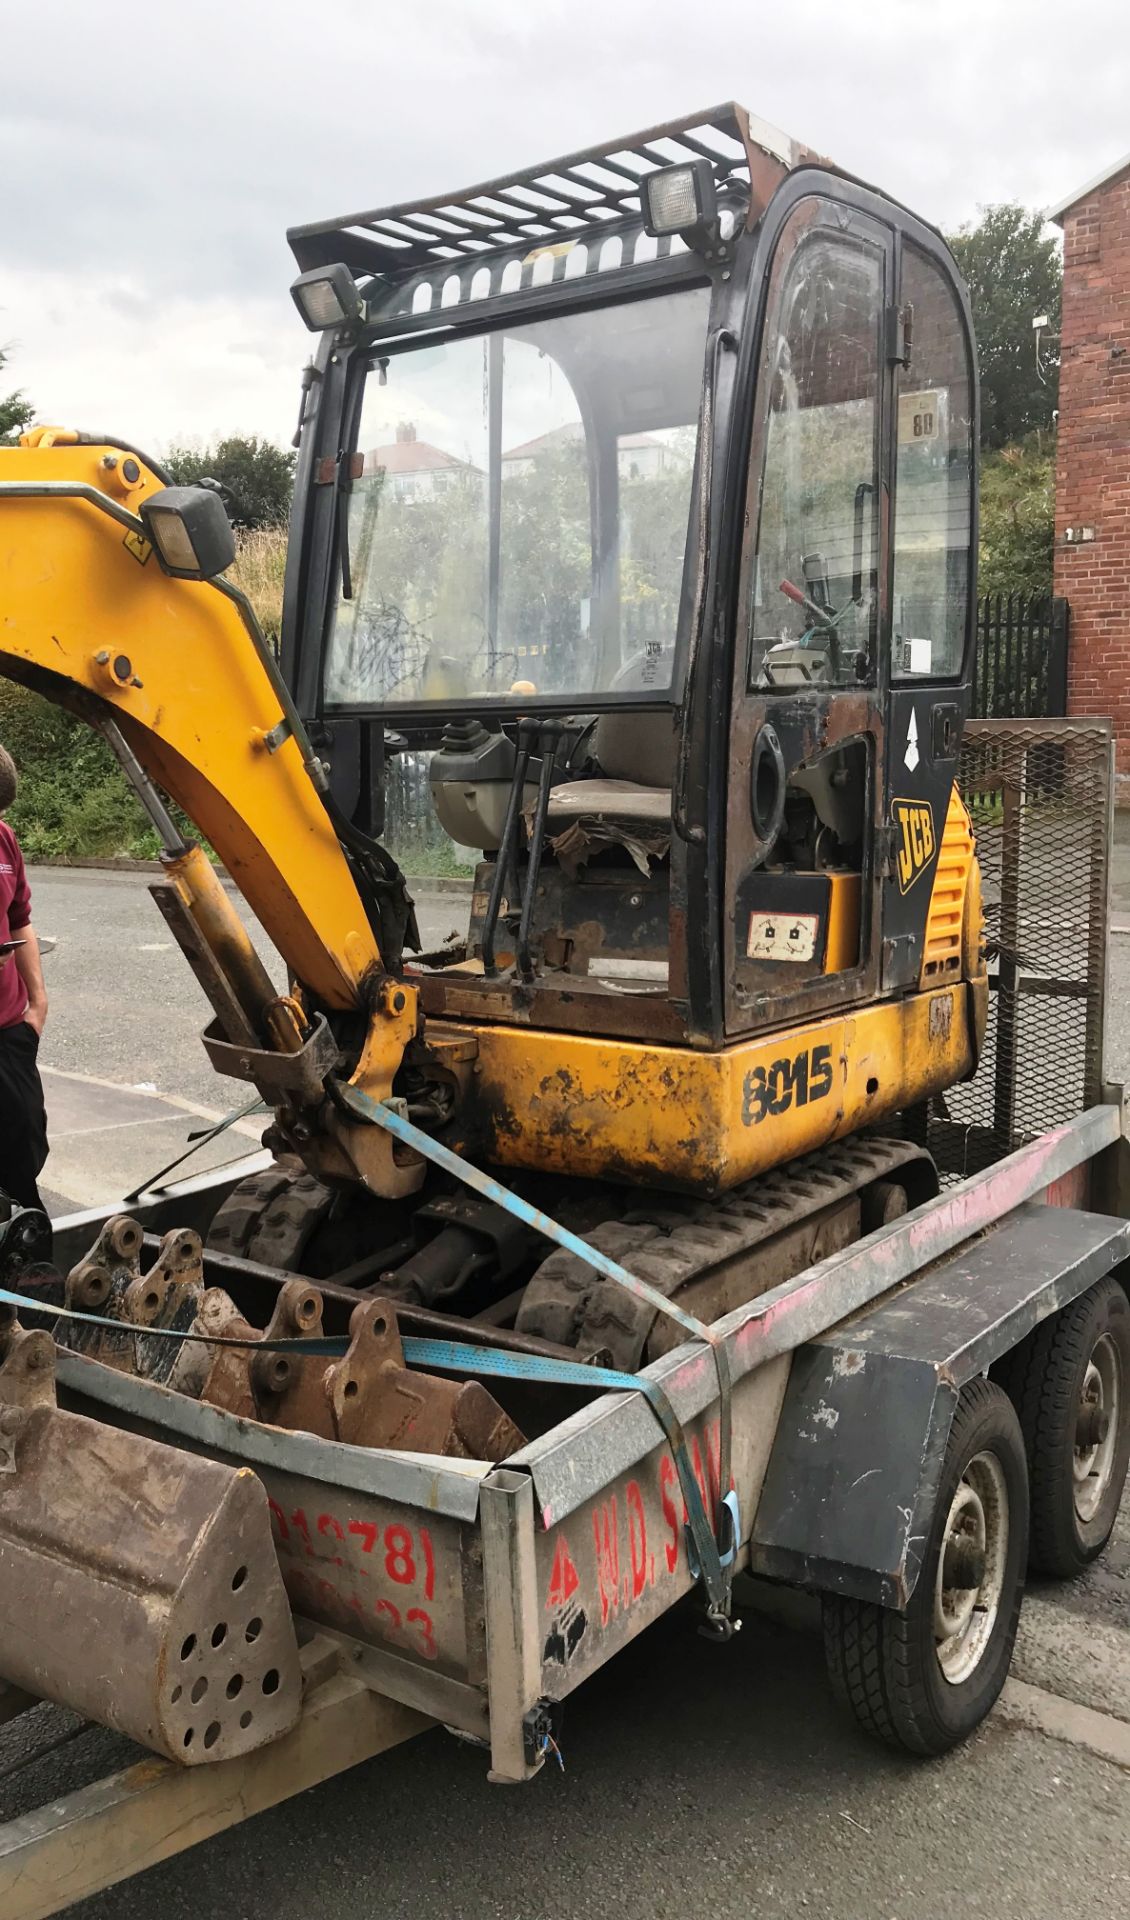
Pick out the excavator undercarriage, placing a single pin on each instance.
(467, 1257)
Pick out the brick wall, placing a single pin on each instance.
(1093, 458)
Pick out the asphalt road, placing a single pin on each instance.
(126, 1077)
(698, 1779)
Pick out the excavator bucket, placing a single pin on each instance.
(138, 1584)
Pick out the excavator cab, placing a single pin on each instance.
(636, 502)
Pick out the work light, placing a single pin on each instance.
(679, 199)
(190, 532)
(327, 297)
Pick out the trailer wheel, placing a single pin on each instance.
(1070, 1384)
(924, 1679)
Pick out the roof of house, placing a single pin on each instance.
(1112, 172)
(410, 456)
(570, 431)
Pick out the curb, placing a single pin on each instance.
(440, 883)
(110, 863)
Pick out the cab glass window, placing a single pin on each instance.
(519, 526)
(813, 609)
(934, 482)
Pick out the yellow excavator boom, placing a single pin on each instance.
(88, 617)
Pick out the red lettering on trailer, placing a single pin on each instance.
(637, 1537)
(429, 1564)
(416, 1628)
(564, 1578)
(427, 1639)
(327, 1525)
(709, 1478)
(606, 1540)
(299, 1521)
(668, 1482)
(400, 1561)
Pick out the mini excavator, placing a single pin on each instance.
(633, 537)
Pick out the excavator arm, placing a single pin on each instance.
(178, 677)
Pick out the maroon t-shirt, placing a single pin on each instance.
(15, 912)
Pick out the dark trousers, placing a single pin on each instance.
(23, 1117)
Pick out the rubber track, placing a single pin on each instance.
(269, 1216)
(568, 1302)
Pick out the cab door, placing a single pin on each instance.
(932, 605)
(806, 808)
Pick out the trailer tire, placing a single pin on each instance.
(902, 1680)
(1075, 1364)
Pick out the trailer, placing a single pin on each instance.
(888, 1430)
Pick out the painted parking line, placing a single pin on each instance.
(80, 1096)
(107, 1139)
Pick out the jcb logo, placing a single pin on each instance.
(916, 842)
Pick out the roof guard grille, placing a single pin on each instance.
(564, 198)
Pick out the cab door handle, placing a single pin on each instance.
(945, 731)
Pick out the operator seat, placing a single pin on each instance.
(635, 753)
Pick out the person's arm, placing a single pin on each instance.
(28, 962)
(31, 973)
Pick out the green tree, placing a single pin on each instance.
(1012, 270)
(15, 413)
(545, 563)
(1017, 544)
(256, 477)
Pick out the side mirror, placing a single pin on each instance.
(190, 531)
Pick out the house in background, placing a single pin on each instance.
(416, 470)
(413, 469)
(639, 455)
(1092, 506)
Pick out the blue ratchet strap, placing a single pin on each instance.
(709, 1548)
(454, 1356)
(329, 1346)
(497, 1362)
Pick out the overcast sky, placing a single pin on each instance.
(153, 159)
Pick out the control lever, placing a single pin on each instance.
(550, 738)
(527, 730)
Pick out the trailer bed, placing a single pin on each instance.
(483, 1595)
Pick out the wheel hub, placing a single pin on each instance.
(1096, 1428)
(971, 1568)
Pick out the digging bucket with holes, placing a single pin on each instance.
(139, 1586)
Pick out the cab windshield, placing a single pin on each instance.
(520, 523)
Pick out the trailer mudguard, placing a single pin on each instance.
(853, 1474)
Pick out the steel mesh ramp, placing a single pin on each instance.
(1039, 793)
